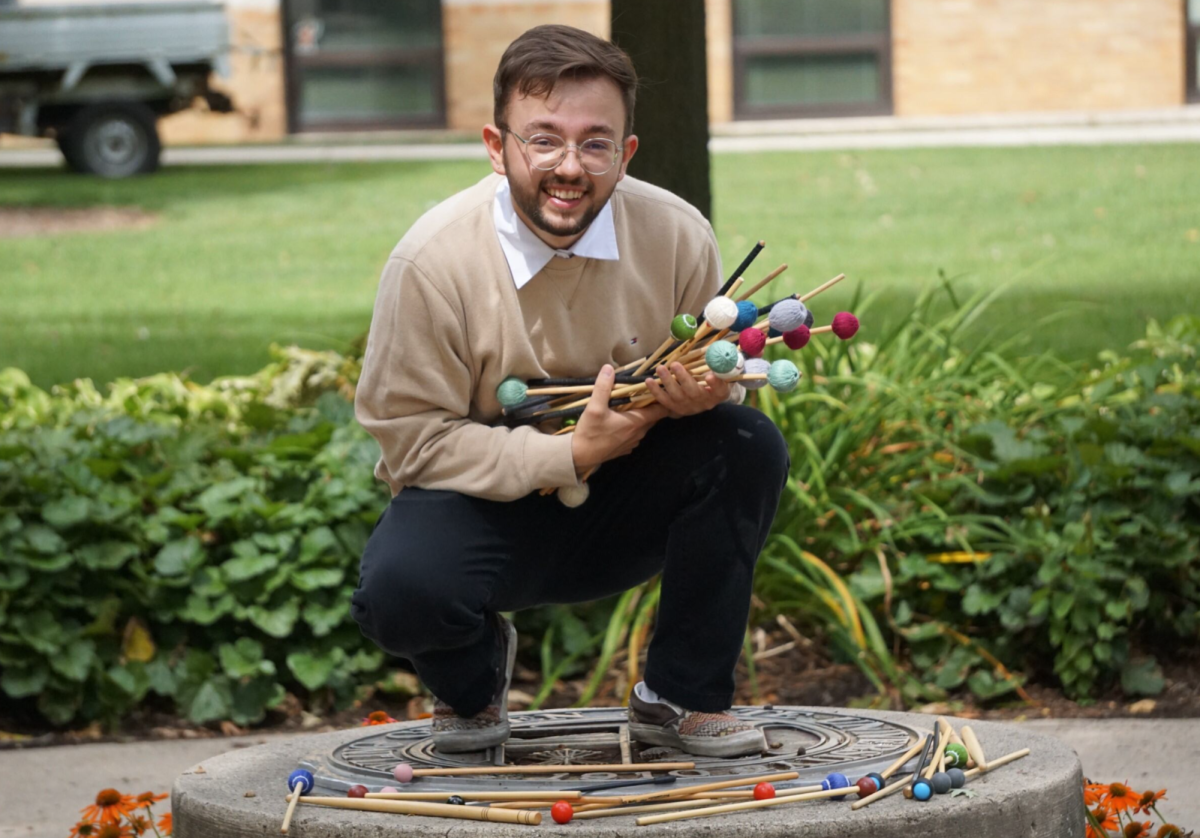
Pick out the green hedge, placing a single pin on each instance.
(195, 547)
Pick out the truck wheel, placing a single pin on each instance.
(113, 140)
(68, 150)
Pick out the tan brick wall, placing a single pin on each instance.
(718, 20)
(476, 35)
(256, 86)
(987, 56)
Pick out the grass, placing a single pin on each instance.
(1104, 238)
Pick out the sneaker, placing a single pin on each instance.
(655, 720)
(455, 734)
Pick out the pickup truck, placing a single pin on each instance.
(96, 78)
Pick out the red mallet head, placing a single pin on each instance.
(562, 812)
(798, 337)
(752, 342)
(764, 791)
(866, 787)
(356, 791)
(845, 325)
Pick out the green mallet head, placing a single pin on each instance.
(683, 327)
(511, 392)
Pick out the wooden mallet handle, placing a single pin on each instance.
(431, 810)
(974, 748)
(615, 768)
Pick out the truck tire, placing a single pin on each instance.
(113, 140)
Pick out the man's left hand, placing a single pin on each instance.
(682, 395)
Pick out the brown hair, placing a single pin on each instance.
(537, 60)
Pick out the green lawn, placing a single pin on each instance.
(246, 256)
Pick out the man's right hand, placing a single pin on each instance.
(603, 433)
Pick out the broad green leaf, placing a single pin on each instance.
(75, 660)
(213, 701)
(244, 658)
(311, 670)
(22, 683)
(66, 512)
(43, 540)
(1142, 677)
(315, 578)
(106, 555)
(247, 567)
(178, 557)
(276, 622)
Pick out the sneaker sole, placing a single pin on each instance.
(736, 745)
(462, 742)
(472, 740)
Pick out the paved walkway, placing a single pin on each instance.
(44, 788)
(1177, 125)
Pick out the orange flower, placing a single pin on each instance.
(379, 717)
(1133, 829)
(164, 824)
(139, 824)
(1107, 821)
(113, 830)
(1121, 797)
(1169, 830)
(1094, 793)
(83, 829)
(1149, 798)
(148, 798)
(109, 807)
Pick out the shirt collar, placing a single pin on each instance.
(527, 254)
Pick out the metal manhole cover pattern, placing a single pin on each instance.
(811, 742)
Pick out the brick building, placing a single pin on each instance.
(338, 65)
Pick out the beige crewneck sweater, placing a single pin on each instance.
(449, 325)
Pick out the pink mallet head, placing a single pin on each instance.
(845, 325)
(752, 341)
(403, 773)
(798, 337)
(389, 790)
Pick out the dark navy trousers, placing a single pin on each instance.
(694, 501)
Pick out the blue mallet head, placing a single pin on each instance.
(301, 778)
(835, 781)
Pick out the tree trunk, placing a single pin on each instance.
(666, 40)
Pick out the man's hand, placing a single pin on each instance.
(680, 393)
(603, 433)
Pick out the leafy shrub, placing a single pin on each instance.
(998, 514)
(194, 543)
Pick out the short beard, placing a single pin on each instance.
(530, 205)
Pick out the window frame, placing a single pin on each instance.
(294, 65)
(1191, 42)
(820, 45)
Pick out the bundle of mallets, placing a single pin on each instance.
(939, 757)
(727, 339)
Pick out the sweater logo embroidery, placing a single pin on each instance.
(633, 340)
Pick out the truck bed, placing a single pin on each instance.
(41, 38)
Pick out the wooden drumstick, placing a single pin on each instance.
(440, 796)
(996, 763)
(882, 793)
(909, 754)
(741, 807)
(763, 284)
(823, 287)
(974, 748)
(675, 794)
(431, 810)
(613, 811)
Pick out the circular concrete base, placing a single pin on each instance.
(242, 794)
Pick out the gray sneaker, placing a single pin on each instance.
(454, 734)
(655, 720)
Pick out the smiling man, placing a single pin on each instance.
(558, 264)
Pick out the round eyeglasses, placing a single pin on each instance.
(544, 152)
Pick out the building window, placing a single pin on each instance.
(811, 58)
(1193, 50)
(360, 64)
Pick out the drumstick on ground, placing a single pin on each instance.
(616, 768)
(709, 811)
(432, 810)
(974, 748)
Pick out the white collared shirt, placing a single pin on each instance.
(527, 254)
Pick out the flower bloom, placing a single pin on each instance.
(1134, 829)
(1094, 793)
(109, 807)
(114, 829)
(148, 798)
(1121, 797)
(83, 829)
(1169, 830)
(164, 824)
(1149, 798)
(1106, 819)
(379, 717)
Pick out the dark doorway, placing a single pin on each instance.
(811, 58)
(361, 64)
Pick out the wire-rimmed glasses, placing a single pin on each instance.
(545, 152)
